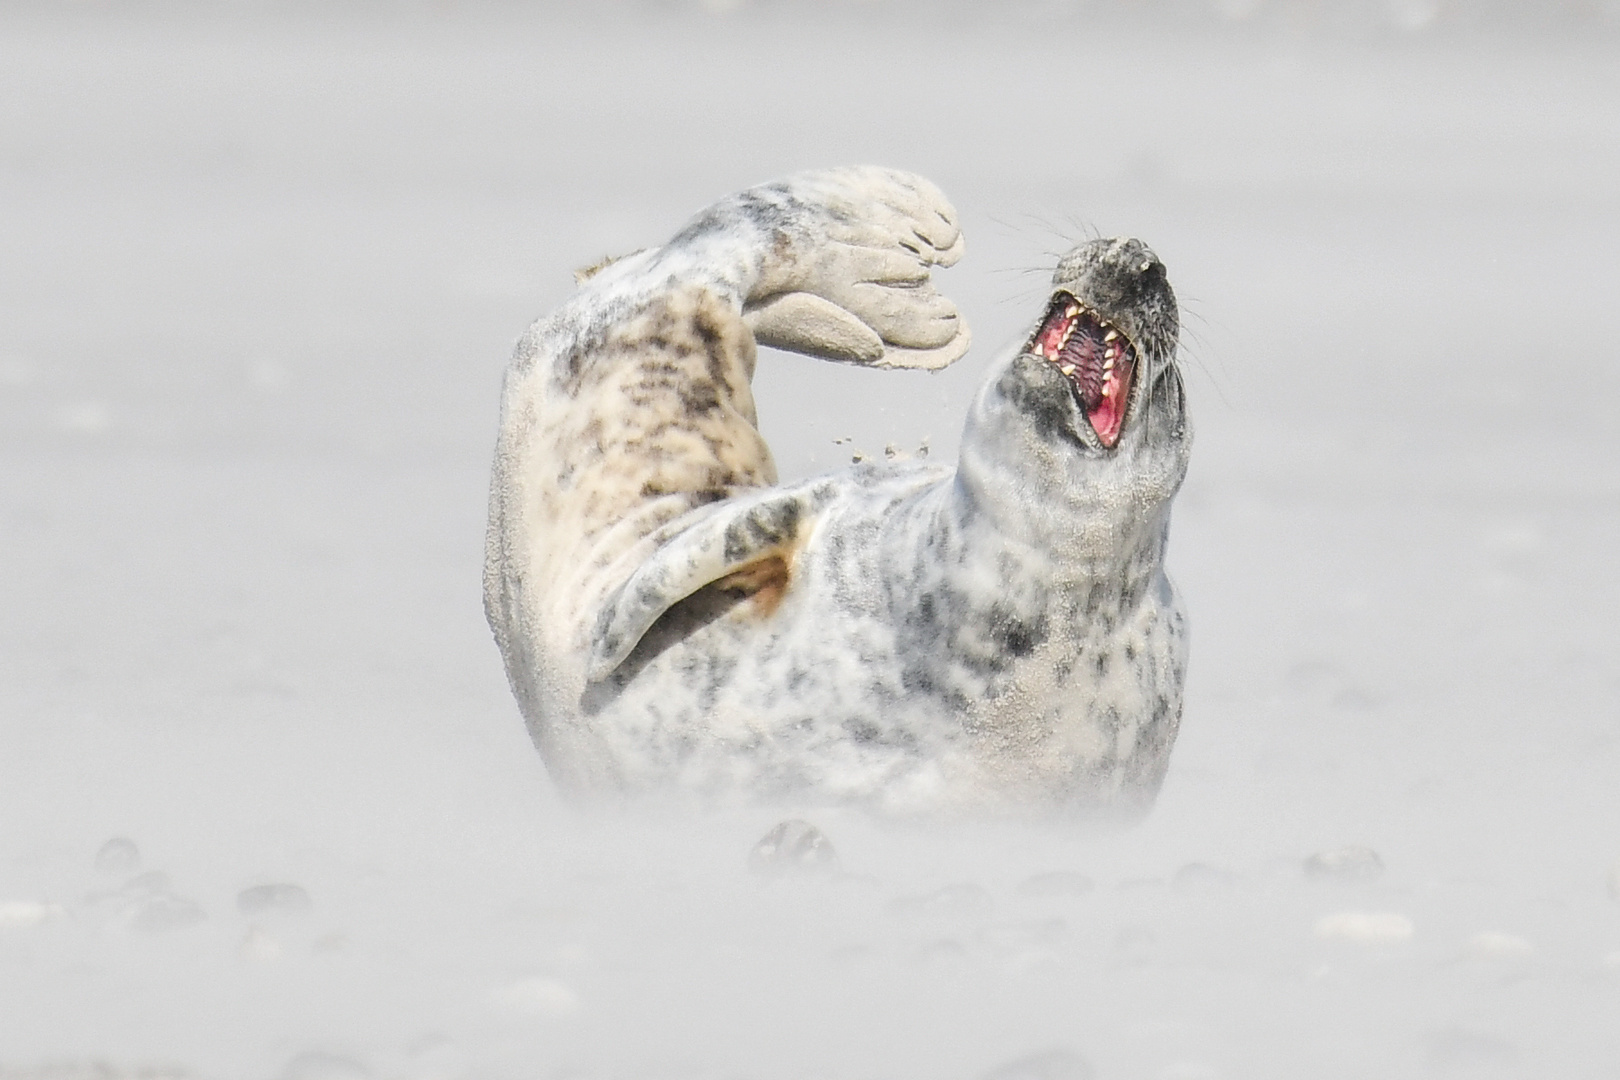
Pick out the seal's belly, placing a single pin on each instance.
(1091, 718)
(810, 695)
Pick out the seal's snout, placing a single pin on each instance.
(1131, 256)
(1120, 264)
(1126, 274)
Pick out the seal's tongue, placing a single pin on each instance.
(1108, 415)
(1097, 360)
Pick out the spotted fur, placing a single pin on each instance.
(915, 638)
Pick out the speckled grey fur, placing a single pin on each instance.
(914, 638)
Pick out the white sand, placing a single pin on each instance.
(260, 268)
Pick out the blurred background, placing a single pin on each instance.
(267, 808)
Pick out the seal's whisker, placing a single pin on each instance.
(1196, 346)
(1196, 356)
(1085, 227)
(1043, 271)
(1028, 294)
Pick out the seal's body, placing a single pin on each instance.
(912, 637)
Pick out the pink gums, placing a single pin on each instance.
(1096, 359)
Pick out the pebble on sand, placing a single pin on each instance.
(20, 913)
(160, 914)
(118, 857)
(1350, 863)
(1365, 927)
(279, 898)
(1494, 945)
(793, 847)
(151, 883)
(258, 947)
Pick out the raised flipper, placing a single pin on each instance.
(749, 542)
(841, 264)
(805, 323)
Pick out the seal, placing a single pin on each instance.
(910, 637)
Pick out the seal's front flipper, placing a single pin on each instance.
(921, 329)
(856, 285)
(805, 323)
(745, 546)
(834, 263)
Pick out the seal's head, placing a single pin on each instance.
(1088, 416)
(1111, 324)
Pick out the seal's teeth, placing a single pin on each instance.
(1108, 362)
(1111, 335)
(1067, 369)
(1071, 311)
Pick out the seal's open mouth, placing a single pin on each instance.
(1098, 360)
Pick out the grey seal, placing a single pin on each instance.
(914, 638)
